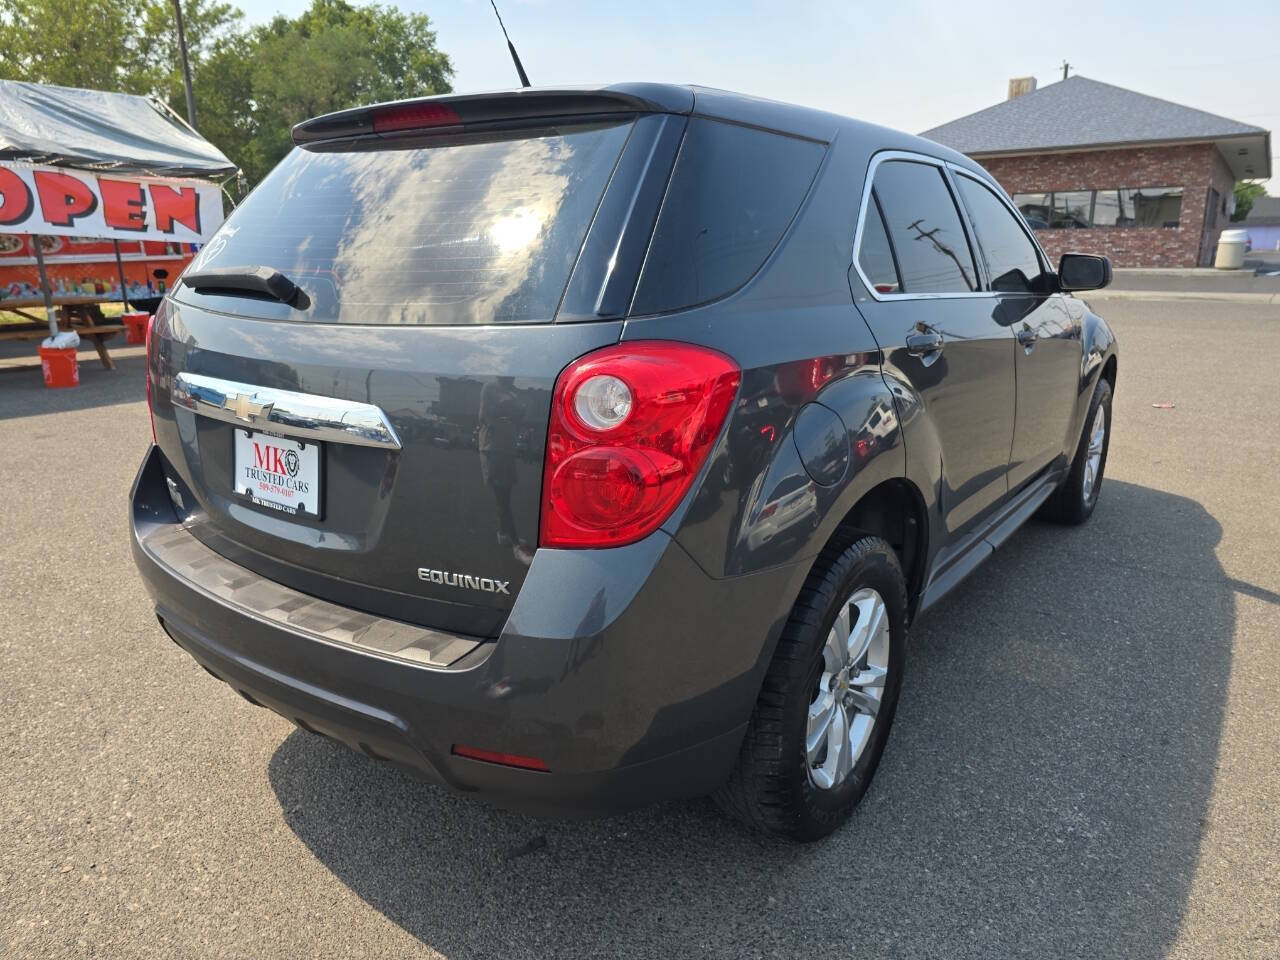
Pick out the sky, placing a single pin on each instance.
(906, 64)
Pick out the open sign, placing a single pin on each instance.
(53, 201)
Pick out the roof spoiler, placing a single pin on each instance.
(450, 114)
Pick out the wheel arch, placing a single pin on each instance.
(1109, 371)
(893, 510)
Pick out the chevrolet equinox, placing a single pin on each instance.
(583, 448)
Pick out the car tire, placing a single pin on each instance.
(781, 784)
(1073, 502)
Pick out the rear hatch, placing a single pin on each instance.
(352, 382)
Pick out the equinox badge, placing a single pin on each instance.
(465, 580)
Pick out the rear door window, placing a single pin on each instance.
(924, 228)
(466, 230)
(875, 255)
(732, 195)
(1012, 261)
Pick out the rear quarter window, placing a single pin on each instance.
(466, 230)
(733, 192)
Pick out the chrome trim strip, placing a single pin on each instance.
(876, 160)
(286, 412)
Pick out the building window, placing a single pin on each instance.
(1072, 210)
(1119, 207)
(1155, 206)
(1037, 208)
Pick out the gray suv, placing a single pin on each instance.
(583, 448)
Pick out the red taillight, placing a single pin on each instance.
(151, 322)
(506, 759)
(413, 116)
(630, 427)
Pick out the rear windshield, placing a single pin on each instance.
(467, 231)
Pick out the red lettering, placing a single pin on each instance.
(181, 205)
(15, 198)
(279, 460)
(124, 206)
(260, 458)
(64, 199)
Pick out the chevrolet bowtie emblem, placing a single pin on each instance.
(246, 408)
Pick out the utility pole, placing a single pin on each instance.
(1065, 66)
(186, 67)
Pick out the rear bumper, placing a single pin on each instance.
(628, 672)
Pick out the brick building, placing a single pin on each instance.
(1101, 169)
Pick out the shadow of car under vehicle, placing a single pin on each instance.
(1043, 792)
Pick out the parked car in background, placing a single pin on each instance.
(584, 448)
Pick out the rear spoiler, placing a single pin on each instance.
(451, 114)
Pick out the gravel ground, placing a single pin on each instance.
(1084, 762)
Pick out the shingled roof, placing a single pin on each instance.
(1079, 112)
(1264, 213)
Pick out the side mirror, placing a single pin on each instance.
(1083, 271)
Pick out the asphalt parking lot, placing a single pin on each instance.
(1085, 761)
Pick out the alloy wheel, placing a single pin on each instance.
(1093, 456)
(842, 713)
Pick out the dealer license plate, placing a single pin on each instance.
(278, 473)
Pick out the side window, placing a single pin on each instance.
(875, 256)
(1011, 256)
(924, 228)
(732, 195)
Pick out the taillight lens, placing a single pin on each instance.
(631, 425)
(151, 322)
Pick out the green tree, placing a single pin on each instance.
(251, 85)
(218, 48)
(75, 43)
(335, 56)
(1247, 191)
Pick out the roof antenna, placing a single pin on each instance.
(524, 77)
(1065, 66)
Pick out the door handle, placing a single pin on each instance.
(922, 344)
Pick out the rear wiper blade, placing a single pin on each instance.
(262, 281)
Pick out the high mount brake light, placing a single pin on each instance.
(414, 116)
(631, 426)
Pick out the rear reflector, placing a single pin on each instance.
(151, 322)
(414, 116)
(505, 759)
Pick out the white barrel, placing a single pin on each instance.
(1231, 249)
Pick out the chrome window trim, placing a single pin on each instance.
(947, 168)
(286, 412)
(941, 165)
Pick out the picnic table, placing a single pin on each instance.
(79, 312)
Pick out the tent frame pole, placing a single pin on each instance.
(50, 313)
(124, 287)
